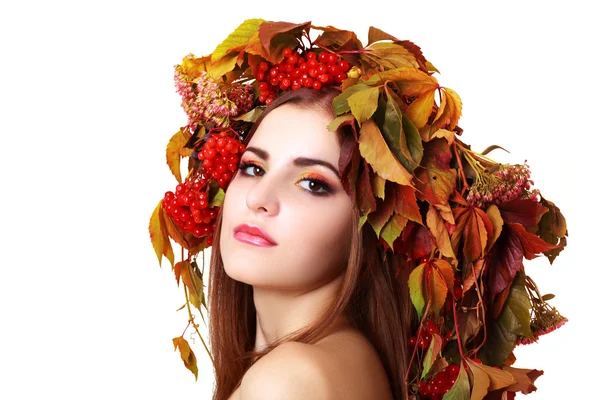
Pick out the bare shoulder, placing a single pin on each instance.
(290, 371)
(341, 366)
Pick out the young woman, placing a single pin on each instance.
(303, 304)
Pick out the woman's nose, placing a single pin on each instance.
(263, 196)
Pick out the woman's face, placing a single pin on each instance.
(279, 192)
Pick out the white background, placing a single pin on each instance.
(87, 105)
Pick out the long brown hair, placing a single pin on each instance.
(374, 294)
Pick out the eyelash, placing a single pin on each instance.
(327, 189)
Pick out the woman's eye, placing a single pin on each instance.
(244, 167)
(314, 185)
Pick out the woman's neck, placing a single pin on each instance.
(279, 312)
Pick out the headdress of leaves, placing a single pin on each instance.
(464, 222)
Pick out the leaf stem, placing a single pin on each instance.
(416, 345)
(462, 172)
(458, 339)
(191, 320)
(480, 305)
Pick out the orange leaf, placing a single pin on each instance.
(420, 109)
(440, 233)
(437, 288)
(159, 237)
(175, 150)
(411, 81)
(406, 203)
(524, 379)
(495, 217)
(449, 111)
(374, 149)
(435, 184)
(187, 355)
(473, 274)
(380, 216)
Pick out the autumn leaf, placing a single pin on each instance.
(158, 236)
(393, 228)
(193, 282)
(337, 39)
(415, 286)
(415, 241)
(342, 120)
(472, 273)
(514, 320)
(364, 103)
(469, 325)
(240, 36)
(433, 352)
(275, 36)
(365, 198)
(495, 217)
(434, 185)
(460, 390)
(526, 212)
(552, 228)
(524, 379)
(438, 228)
(406, 203)
(531, 243)
(380, 216)
(378, 186)
(473, 228)
(410, 81)
(187, 354)
(420, 109)
(449, 111)
(486, 378)
(390, 55)
(340, 102)
(374, 149)
(175, 150)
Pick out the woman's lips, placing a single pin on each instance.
(252, 239)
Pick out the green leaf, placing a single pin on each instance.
(415, 286)
(433, 352)
(250, 116)
(217, 200)
(410, 142)
(461, 389)
(393, 228)
(344, 119)
(364, 103)
(340, 102)
(239, 37)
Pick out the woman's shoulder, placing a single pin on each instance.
(343, 365)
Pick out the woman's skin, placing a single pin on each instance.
(294, 280)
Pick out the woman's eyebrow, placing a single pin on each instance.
(299, 161)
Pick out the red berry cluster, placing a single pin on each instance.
(220, 157)
(295, 72)
(188, 208)
(439, 384)
(423, 337)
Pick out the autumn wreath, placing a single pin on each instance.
(465, 221)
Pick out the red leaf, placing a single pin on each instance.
(415, 241)
(526, 212)
(365, 197)
(406, 203)
(506, 259)
(532, 244)
(268, 31)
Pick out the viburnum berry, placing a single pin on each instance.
(437, 385)
(295, 71)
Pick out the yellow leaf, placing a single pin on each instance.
(378, 186)
(495, 217)
(445, 134)
(419, 110)
(193, 282)
(174, 151)
(449, 111)
(374, 149)
(415, 286)
(364, 103)
(480, 381)
(187, 354)
(445, 212)
(157, 235)
(487, 378)
(439, 290)
(411, 81)
(436, 225)
(240, 36)
(223, 66)
(445, 270)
